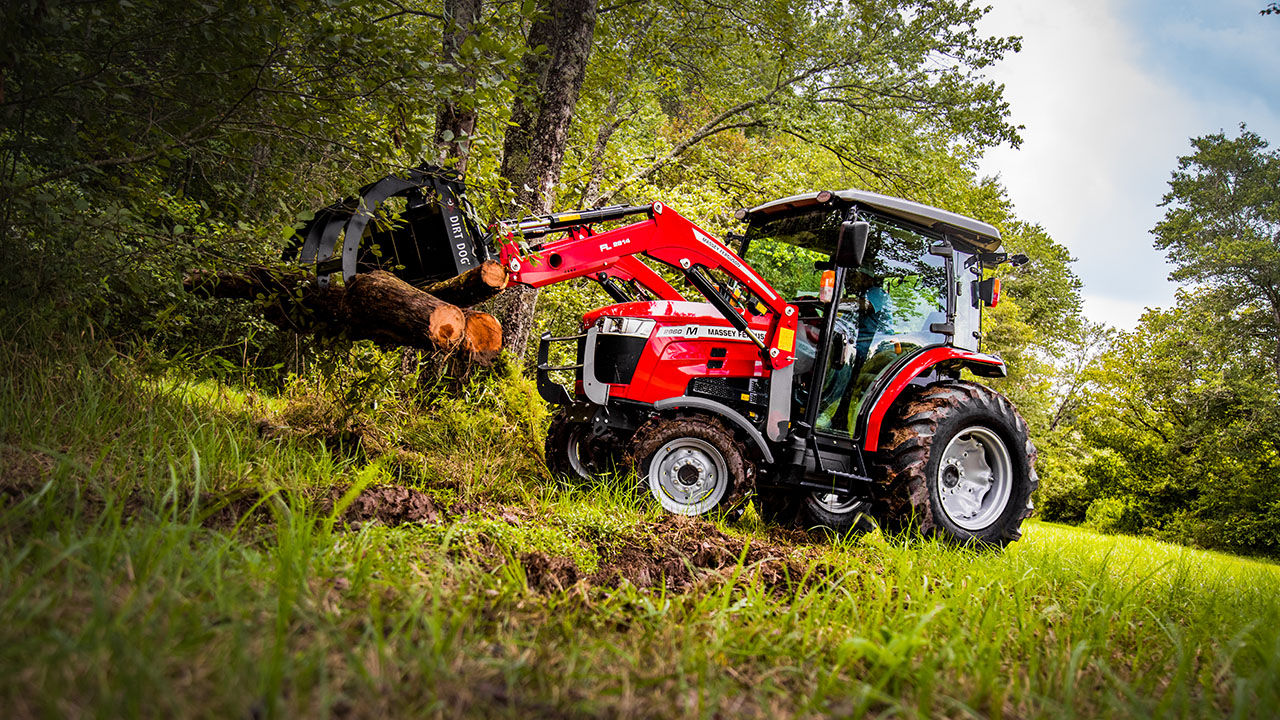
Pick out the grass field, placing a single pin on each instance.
(173, 548)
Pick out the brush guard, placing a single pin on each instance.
(550, 390)
(438, 222)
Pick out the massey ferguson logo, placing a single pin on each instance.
(714, 332)
(732, 260)
(606, 247)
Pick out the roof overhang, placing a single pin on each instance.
(976, 232)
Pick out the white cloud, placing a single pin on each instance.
(1102, 135)
(1121, 314)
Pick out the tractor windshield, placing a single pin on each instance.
(886, 306)
(784, 249)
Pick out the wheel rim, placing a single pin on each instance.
(837, 504)
(574, 449)
(975, 478)
(688, 476)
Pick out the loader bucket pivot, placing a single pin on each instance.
(436, 236)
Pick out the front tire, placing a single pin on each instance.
(691, 465)
(573, 450)
(959, 464)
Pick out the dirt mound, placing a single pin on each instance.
(677, 553)
(549, 574)
(388, 504)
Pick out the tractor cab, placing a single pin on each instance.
(876, 280)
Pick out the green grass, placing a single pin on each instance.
(137, 579)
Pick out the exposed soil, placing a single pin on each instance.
(677, 553)
(22, 472)
(388, 504)
(549, 574)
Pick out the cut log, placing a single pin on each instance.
(376, 306)
(473, 286)
(482, 338)
(380, 306)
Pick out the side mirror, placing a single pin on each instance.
(839, 352)
(851, 246)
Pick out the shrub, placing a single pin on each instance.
(1114, 515)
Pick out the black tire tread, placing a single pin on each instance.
(906, 441)
(659, 430)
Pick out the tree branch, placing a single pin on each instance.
(712, 127)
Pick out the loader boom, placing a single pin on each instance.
(666, 237)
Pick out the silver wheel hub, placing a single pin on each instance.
(975, 478)
(688, 476)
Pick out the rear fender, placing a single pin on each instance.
(949, 358)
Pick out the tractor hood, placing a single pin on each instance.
(978, 233)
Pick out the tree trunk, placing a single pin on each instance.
(596, 160)
(534, 146)
(456, 119)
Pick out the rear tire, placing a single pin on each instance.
(691, 465)
(959, 465)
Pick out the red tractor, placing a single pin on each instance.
(814, 365)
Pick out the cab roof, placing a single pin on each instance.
(977, 232)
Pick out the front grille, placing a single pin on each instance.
(617, 357)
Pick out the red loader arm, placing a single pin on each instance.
(666, 237)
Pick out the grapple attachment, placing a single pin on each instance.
(435, 237)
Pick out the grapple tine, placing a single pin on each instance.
(370, 198)
(315, 229)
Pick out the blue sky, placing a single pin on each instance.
(1110, 92)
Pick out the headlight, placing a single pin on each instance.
(634, 327)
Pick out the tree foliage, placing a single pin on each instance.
(1222, 230)
(1181, 418)
(859, 83)
(140, 139)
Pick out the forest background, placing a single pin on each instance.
(140, 139)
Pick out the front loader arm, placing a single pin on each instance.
(630, 269)
(666, 237)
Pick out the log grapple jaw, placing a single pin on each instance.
(359, 234)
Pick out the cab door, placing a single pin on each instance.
(890, 306)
